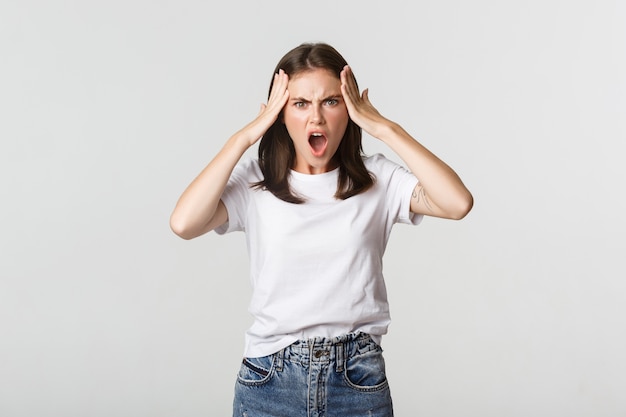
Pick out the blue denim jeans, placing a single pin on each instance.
(339, 377)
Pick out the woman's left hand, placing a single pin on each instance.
(360, 109)
(440, 192)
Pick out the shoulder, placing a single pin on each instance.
(388, 172)
(380, 164)
(248, 164)
(248, 169)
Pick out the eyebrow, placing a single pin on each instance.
(333, 97)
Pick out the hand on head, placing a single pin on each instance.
(360, 109)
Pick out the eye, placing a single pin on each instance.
(299, 104)
(332, 102)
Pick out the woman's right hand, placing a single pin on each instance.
(269, 112)
(200, 209)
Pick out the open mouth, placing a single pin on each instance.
(318, 143)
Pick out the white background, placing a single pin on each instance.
(109, 109)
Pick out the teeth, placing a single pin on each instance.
(316, 134)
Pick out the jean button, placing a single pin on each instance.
(319, 353)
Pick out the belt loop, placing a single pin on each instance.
(279, 360)
(339, 357)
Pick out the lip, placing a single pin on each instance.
(321, 143)
(312, 131)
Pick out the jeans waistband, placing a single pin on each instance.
(326, 350)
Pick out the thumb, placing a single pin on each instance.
(263, 106)
(365, 95)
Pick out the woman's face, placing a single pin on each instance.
(316, 119)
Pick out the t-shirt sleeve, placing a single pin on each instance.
(236, 197)
(399, 183)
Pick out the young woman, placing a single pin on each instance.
(317, 214)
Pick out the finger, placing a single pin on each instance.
(365, 96)
(275, 84)
(279, 96)
(279, 87)
(351, 83)
(353, 96)
(345, 81)
(347, 98)
(275, 87)
(343, 76)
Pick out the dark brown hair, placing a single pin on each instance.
(276, 151)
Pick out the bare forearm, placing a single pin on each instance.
(440, 191)
(440, 187)
(196, 208)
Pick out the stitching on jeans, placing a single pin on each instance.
(255, 368)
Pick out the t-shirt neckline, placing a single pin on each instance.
(314, 177)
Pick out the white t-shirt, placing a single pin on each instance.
(316, 268)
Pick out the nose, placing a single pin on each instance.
(316, 115)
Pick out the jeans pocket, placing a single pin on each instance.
(256, 371)
(366, 372)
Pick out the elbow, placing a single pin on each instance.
(458, 208)
(463, 207)
(180, 228)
